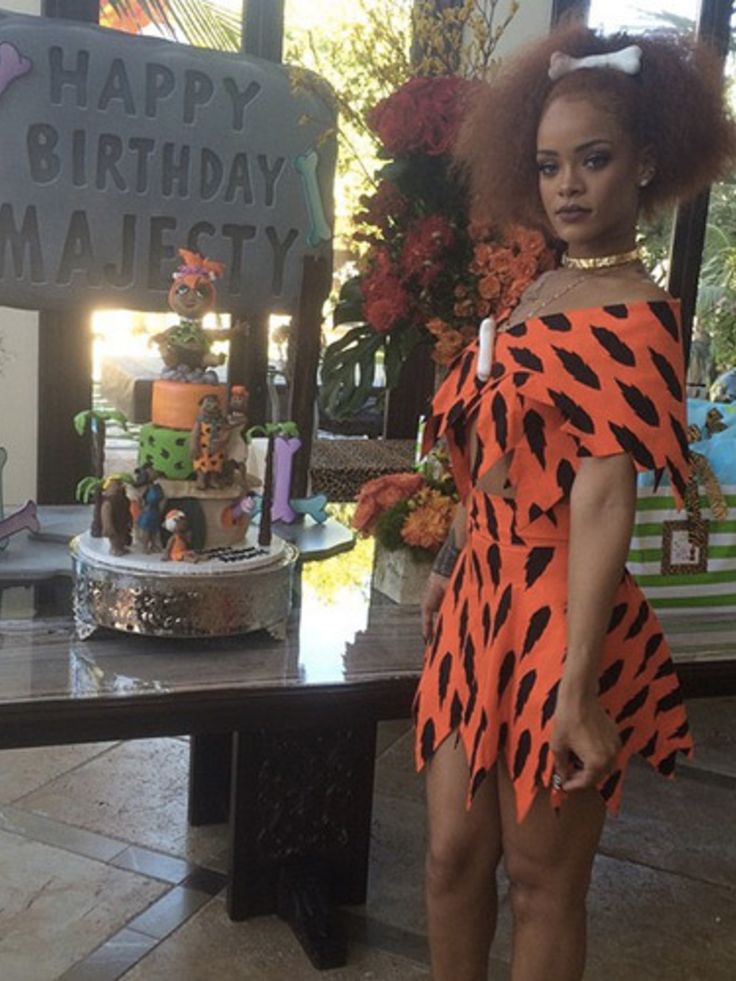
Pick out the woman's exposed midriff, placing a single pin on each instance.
(494, 481)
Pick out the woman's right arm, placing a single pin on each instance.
(442, 568)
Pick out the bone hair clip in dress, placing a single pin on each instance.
(486, 337)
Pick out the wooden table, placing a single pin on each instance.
(283, 732)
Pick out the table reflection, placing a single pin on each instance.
(340, 632)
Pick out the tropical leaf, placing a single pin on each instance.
(203, 23)
(287, 430)
(348, 371)
(114, 415)
(399, 345)
(86, 488)
(349, 307)
(81, 419)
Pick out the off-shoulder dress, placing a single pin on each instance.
(590, 382)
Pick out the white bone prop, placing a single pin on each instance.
(627, 60)
(23, 520)
(3, 461)
(486, 336)
(306, 167)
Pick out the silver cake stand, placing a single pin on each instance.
(193, 604)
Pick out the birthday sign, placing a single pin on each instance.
(118, 150)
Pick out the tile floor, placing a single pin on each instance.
(100, 878)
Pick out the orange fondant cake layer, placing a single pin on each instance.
(176, 404)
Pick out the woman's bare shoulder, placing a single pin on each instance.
(610, 290)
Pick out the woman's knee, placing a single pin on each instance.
(454, 860)
(538, 891)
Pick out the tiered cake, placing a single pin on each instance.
(172, 551)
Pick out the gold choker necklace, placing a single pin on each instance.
(601, 261)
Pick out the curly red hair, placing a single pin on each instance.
(674, 106)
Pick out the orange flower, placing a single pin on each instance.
(427, 526)
(528, 240)
(382, 493)
(464, 308)
(489, 287)
(437, 327)
(525, 265)
(448, 347)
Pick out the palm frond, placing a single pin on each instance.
(203, 24)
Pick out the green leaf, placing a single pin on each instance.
(349, 307)
(394, 360)
(114, 415)
(86, 488)
(254, 431)
(80, 421)
(348, 371)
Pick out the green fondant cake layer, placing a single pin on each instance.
(166, 450)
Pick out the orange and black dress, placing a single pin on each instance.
(590, 382)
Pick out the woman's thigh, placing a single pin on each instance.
(550, 849)
(458, 834)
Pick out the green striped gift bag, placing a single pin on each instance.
(675, 574)
(679, 572)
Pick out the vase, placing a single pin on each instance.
(399, 575)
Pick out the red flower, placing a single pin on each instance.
(426, 241)
(385, 300)
(424, 114)
(385, 205)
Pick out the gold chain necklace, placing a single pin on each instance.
(607, 263)
(601, 261)
(535, 308)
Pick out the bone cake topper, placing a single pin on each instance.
(3, 461)
(13, 65)
(319, 227)
(284, 450)
(23, 520)
(627, 60)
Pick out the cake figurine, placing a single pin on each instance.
(237, 407)
(179, 546)
(186, 348)
(115, 517)
(150, 499)
(208, 445)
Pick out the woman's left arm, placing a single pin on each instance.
(602, 504)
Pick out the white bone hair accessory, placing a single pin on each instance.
(486, 336)
(627, 60)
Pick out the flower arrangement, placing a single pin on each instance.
(427, 275)
(409, 510)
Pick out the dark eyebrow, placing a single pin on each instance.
(578, 149)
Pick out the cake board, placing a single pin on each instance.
(230, 591)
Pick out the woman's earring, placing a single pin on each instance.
(643, 181)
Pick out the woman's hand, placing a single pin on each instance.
(433, 593)
(585, 743)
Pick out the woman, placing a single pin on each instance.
(544, 663)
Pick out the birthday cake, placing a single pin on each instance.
(173, 549)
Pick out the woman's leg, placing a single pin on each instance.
(463, 852)
(548, 858)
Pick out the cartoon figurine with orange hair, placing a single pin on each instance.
(179, 545)
(186, 347)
